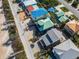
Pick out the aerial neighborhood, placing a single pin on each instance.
(45, 29)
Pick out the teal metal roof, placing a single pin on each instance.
(20, 0)
(63, 19)
(51, 9)
(59, 14)
(29, 2)
(45, 24)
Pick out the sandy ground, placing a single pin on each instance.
(4, 36)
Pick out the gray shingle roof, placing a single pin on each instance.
(54, 36)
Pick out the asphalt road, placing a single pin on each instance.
(22, 34)
(69, 7)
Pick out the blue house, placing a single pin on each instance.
(51, 9)
(39, 13)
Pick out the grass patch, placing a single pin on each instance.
(7, 10)
(13, 34)
(73, 17)
(64, 9)
(75, 3)
(53, 17)
(69, 1)
(17, 45)
(21, 56)
(76, 40)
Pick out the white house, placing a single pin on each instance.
(66, 50)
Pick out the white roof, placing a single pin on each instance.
(71, 54)
(29, 2)
(56, 35)
(62, 48)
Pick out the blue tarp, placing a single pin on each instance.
(38, 13)
(51, 9)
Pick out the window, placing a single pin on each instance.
(49, 39)
(40, 45)
(43, 43)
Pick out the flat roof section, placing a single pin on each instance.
(22, 16)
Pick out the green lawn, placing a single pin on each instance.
(74, 17)
(52, 3)
(69, 1)
(76, 40)
(7, 10)
(21, 56)
(64, 9)
(53, 17)
(75, 3)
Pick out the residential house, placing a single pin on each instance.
(30, 8)
(39, 13)
(27, 3)
(59, 14)
(72, 27)
(52, 38)
(61, 17)
(66, 50)
(44, 24)
(51, 9)
(18, 1)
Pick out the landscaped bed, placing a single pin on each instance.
(75, 4)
